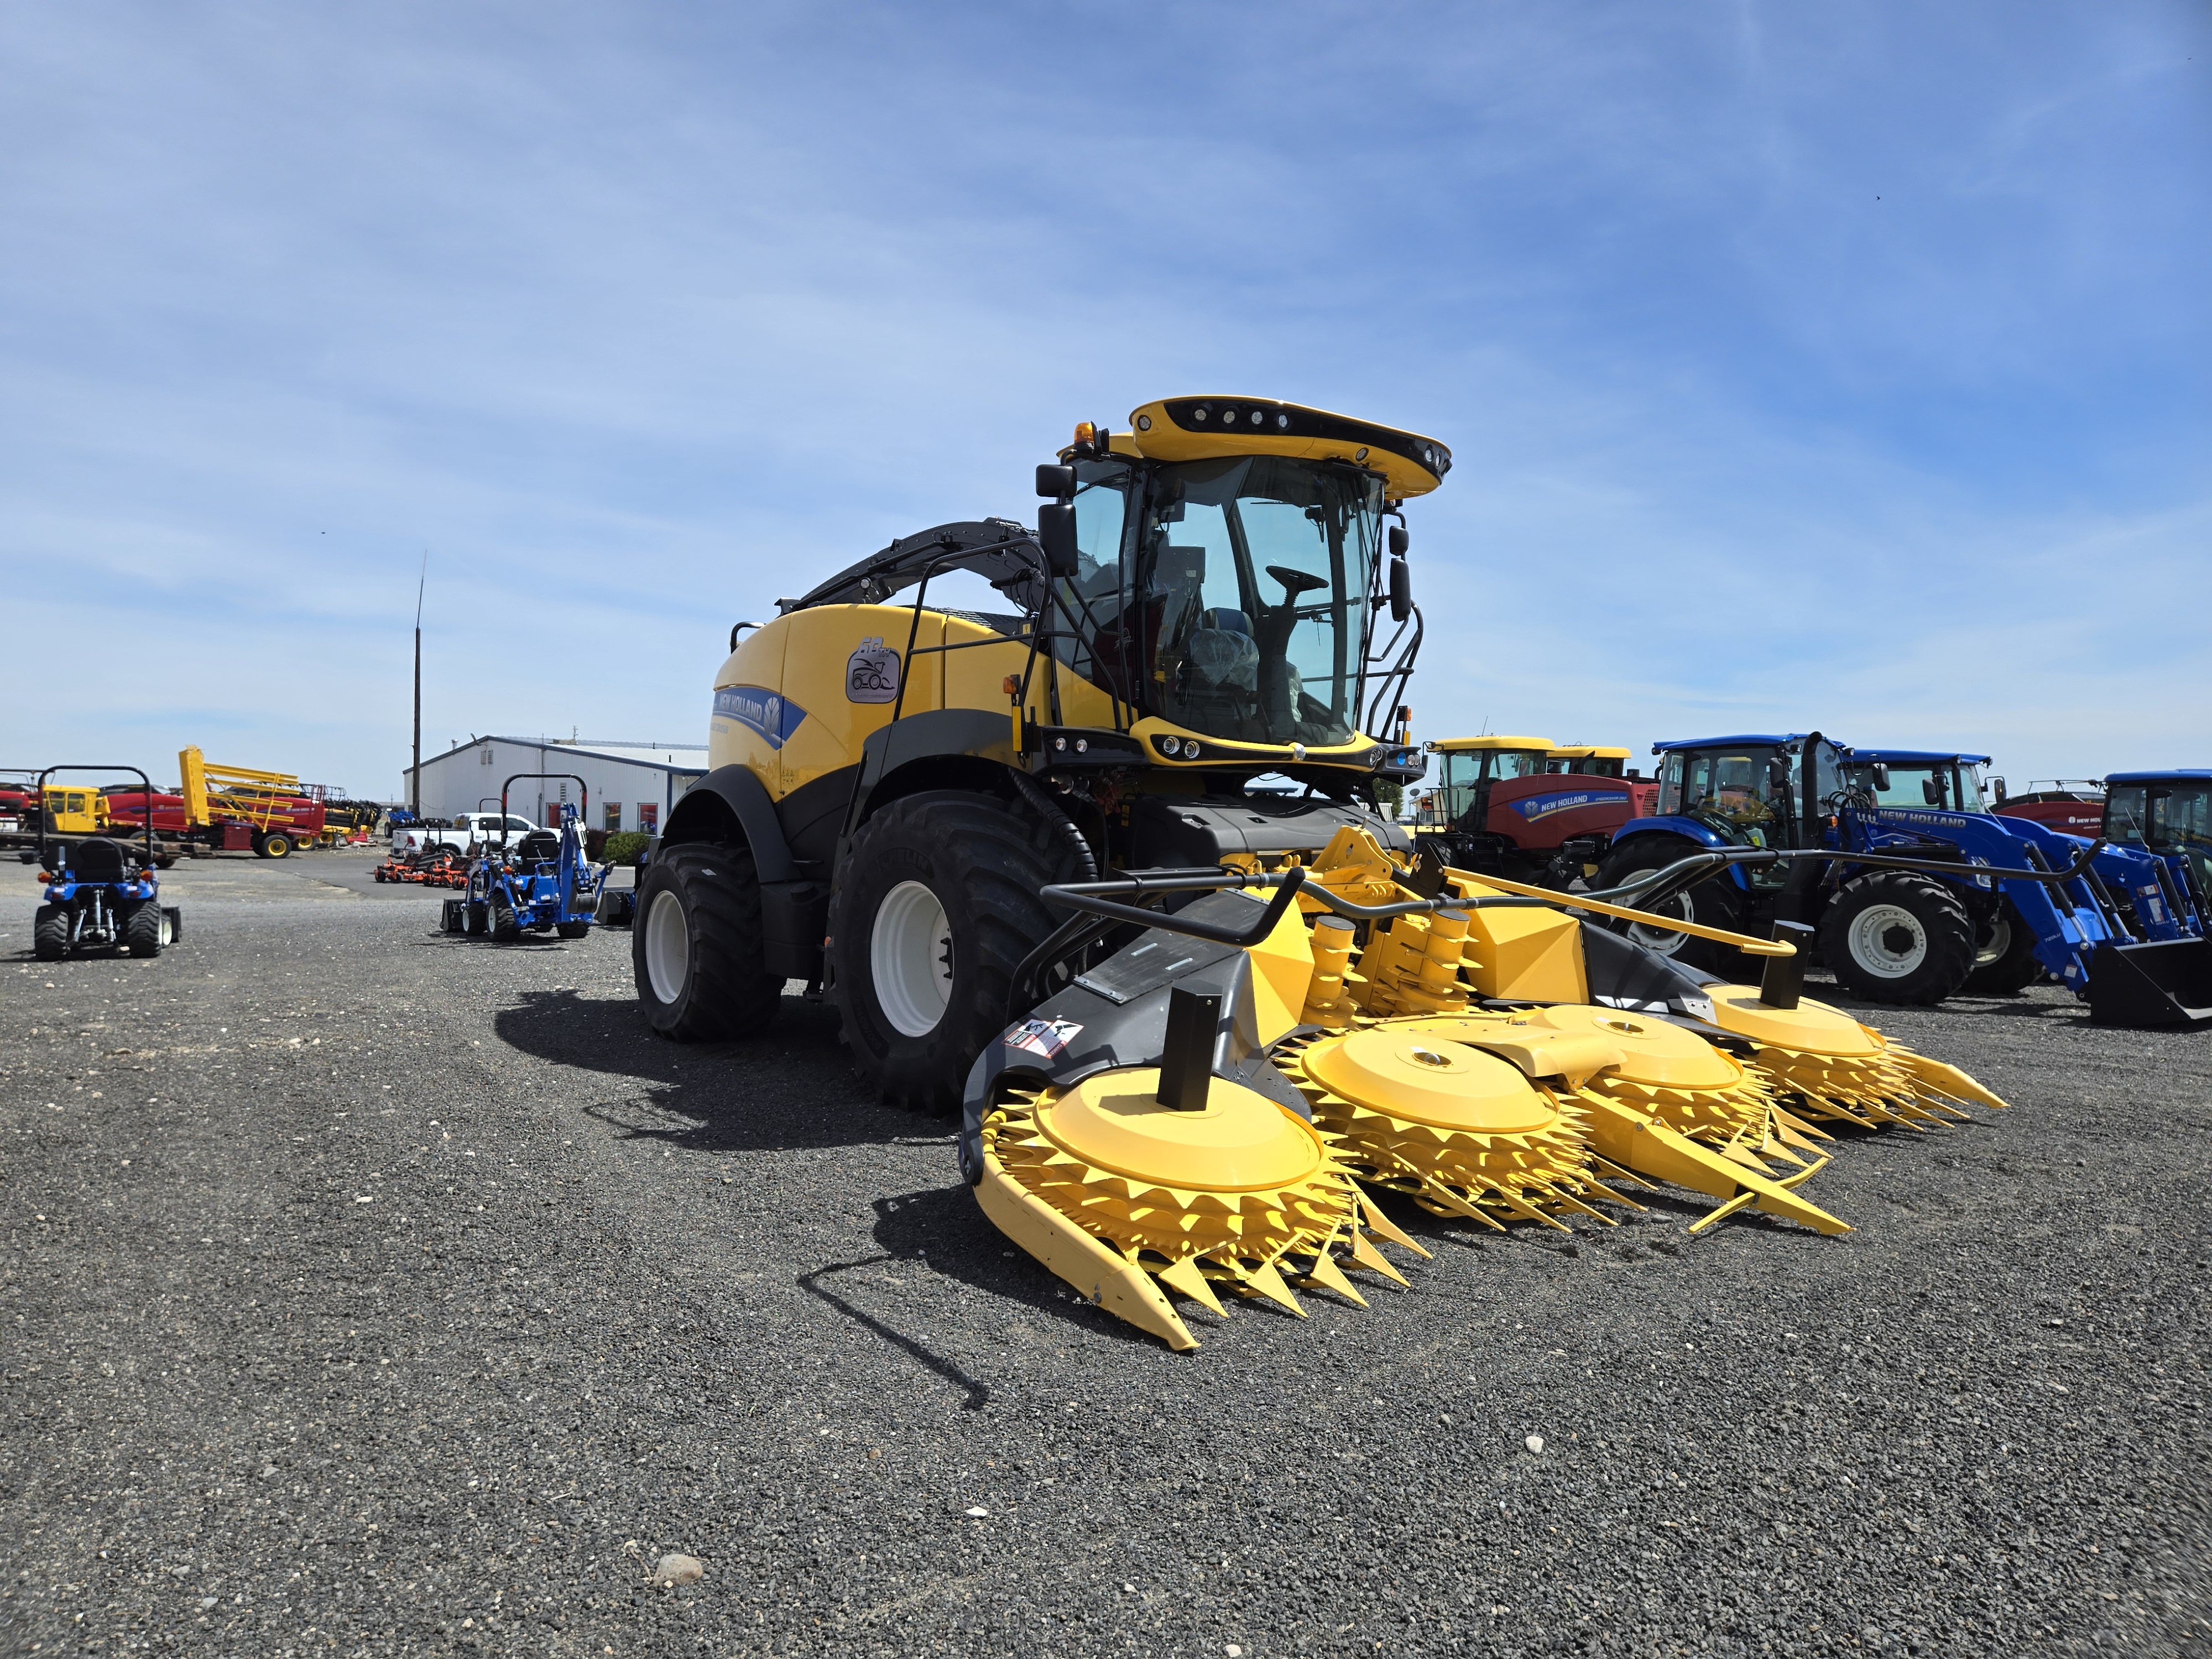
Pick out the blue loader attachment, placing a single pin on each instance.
(542, 882)
(1916, 892)
(2161, 819)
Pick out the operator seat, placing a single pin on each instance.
(539, 846)
(97, 860)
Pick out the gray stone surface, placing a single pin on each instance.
(611, 1299)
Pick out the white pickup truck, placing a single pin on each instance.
(469, 833)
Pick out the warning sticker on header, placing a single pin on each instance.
(1047, 1037)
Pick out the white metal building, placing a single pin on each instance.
(631, 785)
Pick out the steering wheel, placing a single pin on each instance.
(1296, 582)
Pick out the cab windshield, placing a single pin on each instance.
(2170, 818)
(1255, 574)
(1950, 785)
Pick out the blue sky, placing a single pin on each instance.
(1843, 365)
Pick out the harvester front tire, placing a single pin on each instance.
(695, 945)
(935, 908)
(1893, 936)
(145, 930)
(50, 934)
(1715, 902)
(2006, 965)
(276, 845)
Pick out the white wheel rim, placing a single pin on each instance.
(165, 928)
(667, 946)
(910, 958)
(1664, 940)
(2000, 942)
(1880, 956)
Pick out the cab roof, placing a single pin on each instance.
(1755, 740)
(1201, 428)
(1464, 745)
(1594, 750)
(1913, 757)
(2193, 773)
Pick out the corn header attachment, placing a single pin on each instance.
(1218, 1107)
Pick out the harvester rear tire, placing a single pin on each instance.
(966, 870)
(274, 845)
(144, 930)
(1715, 902)
(2006, 965)
(1893, 936)
(50, 934)
(695, 945)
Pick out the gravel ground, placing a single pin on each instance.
(370, 1291)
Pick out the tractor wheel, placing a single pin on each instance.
(276, 845)
(505, 929)
(935, 910)
(50, 934)
(1896, 937)
(578, 929)
(146, 930)
(694, 950)
(1715, 902)
(2006, 966)
(473, 924)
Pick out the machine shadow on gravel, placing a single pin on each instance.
(789, 1089)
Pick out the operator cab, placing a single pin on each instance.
(1910, 778)
(1589, 760)
(2168, 813)
(1466, 766)
(1751, 788)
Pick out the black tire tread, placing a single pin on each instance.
(1003, 854)
(142, 930)
(1950, 940)
(2013, 972)
(50, 934)
(1712, 905)
(734, 996)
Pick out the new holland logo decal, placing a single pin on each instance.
(772, 715)
(871, 673)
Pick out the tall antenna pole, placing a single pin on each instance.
(414, 773)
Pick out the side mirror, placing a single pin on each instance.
(1400, 541)
(1931, 790)
(1777, 776)
(1880, 778)
(1997, 788)
(1056, 533)
(1401, 584)
(1055, 480)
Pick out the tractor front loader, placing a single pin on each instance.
(1200, 1032)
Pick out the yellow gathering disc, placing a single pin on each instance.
(1421, 1078)
(1241, 1142)
(1811, 1027)
(1652, 1050)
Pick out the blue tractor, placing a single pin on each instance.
(541, 881)
(93, 900)
(1864, 845)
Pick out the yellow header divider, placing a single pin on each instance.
(1744, 942)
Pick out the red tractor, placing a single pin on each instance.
(1497, 806)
